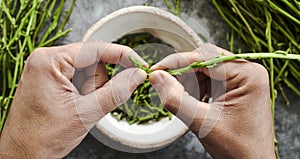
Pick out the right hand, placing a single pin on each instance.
(238, 123)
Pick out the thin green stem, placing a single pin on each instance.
(287, 35)
(14, 7)
(20, 27)
(4, 74)
(259, 23)
(237, 26)
(42, 20)
(224, 16)
(285, 98)
(277, 79)
(30, 27)
(22, 9)
(22, 54)
(291, 86)
(292, 7)
(283, 12)
(268, 35)
(67, 17)
(54, 23)
(294, 71)
(248, 56)
(231, 41)
(169, 6)
(177, 7)
(59, 35)
(6, 11)
(137, 64)
(272, 87)
(297, 3)
(245, 22)
(4, 32)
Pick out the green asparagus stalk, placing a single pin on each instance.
(222, 58)
(175, 8)
(219, 59)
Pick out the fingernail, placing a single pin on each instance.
(155, 67)
(139, 76)
(156, 77)
(145, 64)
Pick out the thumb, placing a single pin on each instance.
(115, 92)
(187, 108)
(118, 90)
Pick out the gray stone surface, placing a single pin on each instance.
(287, 118)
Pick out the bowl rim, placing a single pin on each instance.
(163, 14)
(145, 9)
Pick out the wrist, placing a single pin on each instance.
(18, 147)
(240, 149)
(14, 144)
(11, 147)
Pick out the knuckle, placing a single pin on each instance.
(176, 58)
(119, 96)
(37, 58)
(261, 70)
(126, 49)
(172, 99)
(259, 74)
(173, 57)
(208, 45)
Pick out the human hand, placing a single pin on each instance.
(238, 122)
(51, 114)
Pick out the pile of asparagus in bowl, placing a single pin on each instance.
(142, 124)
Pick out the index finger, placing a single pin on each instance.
(84, 54)
(183, 59)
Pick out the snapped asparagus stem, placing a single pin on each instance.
(222, 58)
(137, 64)
(217, 60)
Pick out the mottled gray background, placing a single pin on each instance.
(88, 12)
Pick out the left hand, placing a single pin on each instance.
(51, 114)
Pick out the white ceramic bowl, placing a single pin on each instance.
(170, 29)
